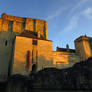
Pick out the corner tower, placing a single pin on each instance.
(83, 46)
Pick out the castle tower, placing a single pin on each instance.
(17, 25)
(83, 47)
(23, 42)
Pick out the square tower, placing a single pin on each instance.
(83, 46)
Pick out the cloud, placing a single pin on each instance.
(80, 4)
(73, 23)
(60, 11)
(56, 14)
(88, 13)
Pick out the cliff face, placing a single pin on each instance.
(77, 77)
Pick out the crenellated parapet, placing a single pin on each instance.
(19, 24)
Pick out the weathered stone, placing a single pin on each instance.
(77, 77)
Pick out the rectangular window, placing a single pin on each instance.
(34, 42)
(10, 26)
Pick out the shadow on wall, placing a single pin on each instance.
(16, 83)
(6, 53)
(42, 63)
(73, 59)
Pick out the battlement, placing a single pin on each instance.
(19, 24)
(81, 38)
(17, 18)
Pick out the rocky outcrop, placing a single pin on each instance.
(78, 77)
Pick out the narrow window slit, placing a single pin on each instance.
(6, 43)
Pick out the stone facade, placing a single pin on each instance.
(6, 54)
(25, 47)
(19, 24)
(83, 47)
(40, 54)
(64, 59)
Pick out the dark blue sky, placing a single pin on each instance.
(67, 19)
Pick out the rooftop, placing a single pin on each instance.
(65, 50)
(84, 37)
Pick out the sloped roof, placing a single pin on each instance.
(29, 34)
(65, 50)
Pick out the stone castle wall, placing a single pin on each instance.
(19, 24)
(6, 54)
(14, 47)
(60, 57)
(90, 45)
(65, 59)
(40, 53)
(82, 46)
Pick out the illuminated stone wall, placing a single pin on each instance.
(13, 46)
(19, 24)
(90, 44)
(65, 59)
(60, 57)
(41, 54)
(82, 47)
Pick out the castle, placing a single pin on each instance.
(24, 46)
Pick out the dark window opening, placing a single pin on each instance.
(32, 57)
(10, 26)
(34, 33)
(23, 24)
(6, 43)
(34, 23)
(34, 42)
(34, 68)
